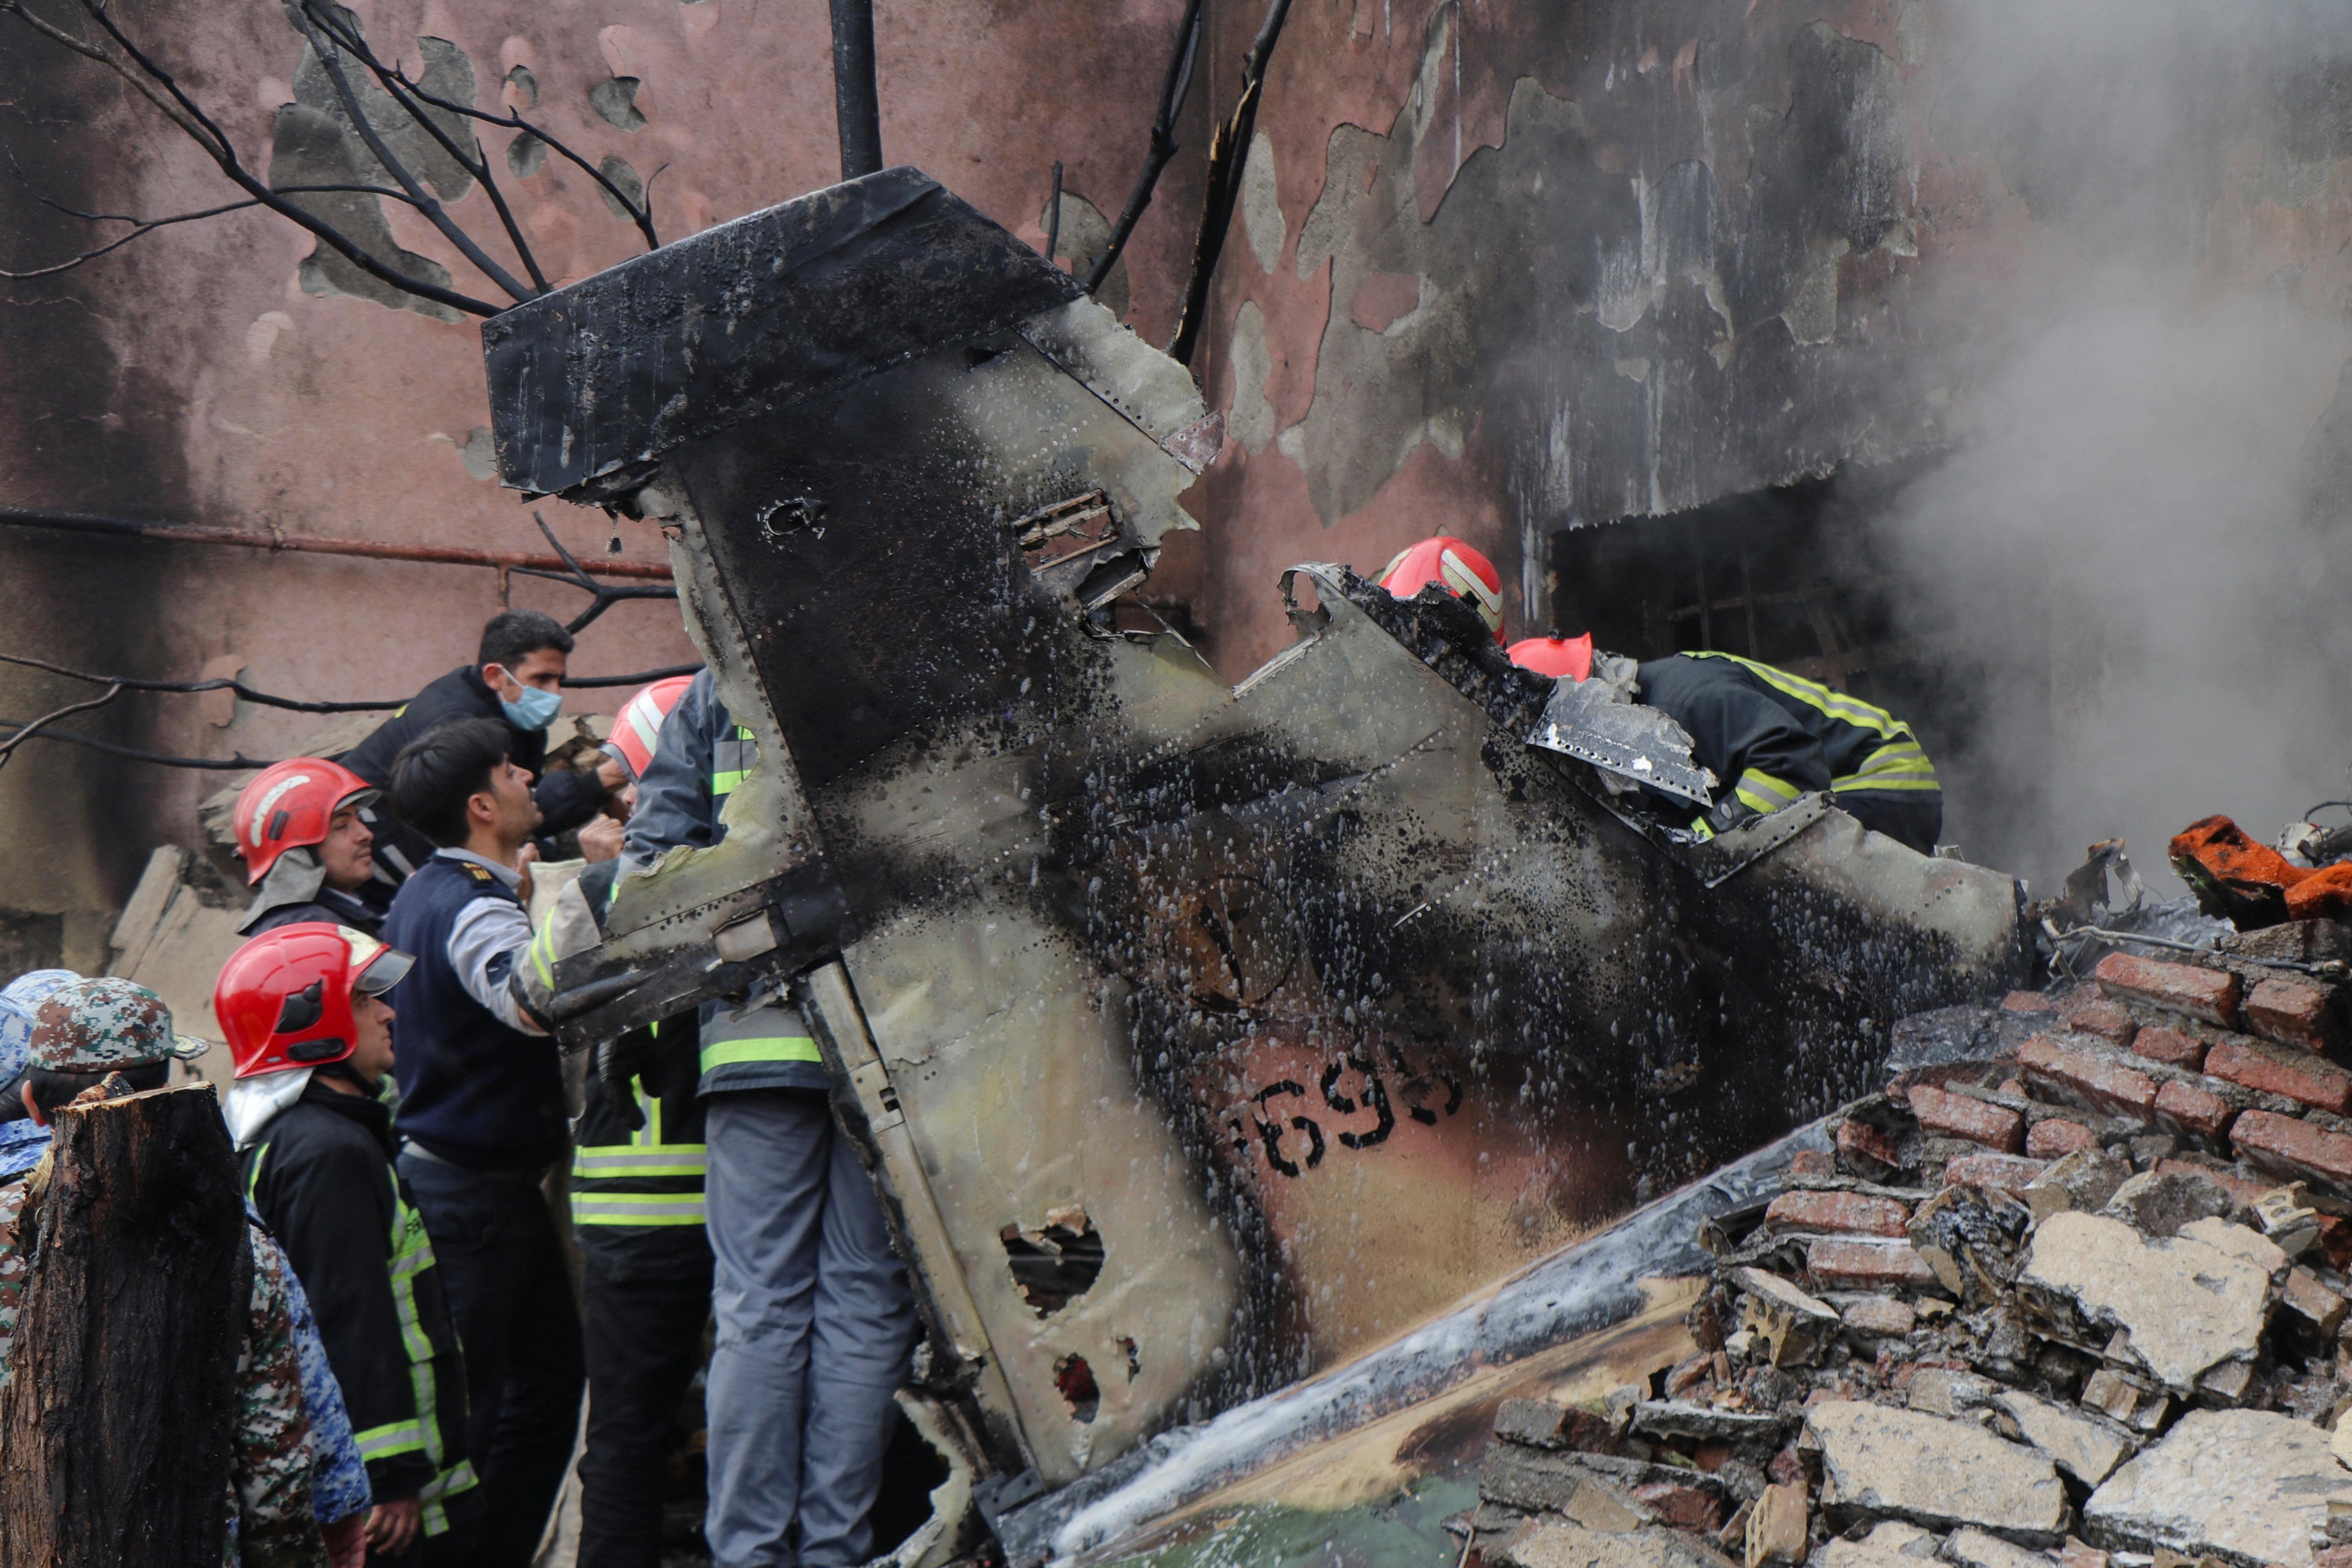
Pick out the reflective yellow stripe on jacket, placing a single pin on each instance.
(732, 761)
(765, 1049)
(1763, 794)
(597, 1169)
(1899, 764)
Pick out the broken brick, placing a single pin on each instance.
(2173, 1048)
(2080, 1076)
(2293, 1075)
(2105, 1018)
(2080, 1554)
(2184, 1108)
(1689, 1374)
(1777, 1528)
(1684, 1506)
(1851, 1212)
(2208, 994)
(2320, 1310)
(1993, 1172)
(2323, 895)
(1838, 1265)
(1942, 1113)
(2278, 1142)
(1813, 1163)
(2028, 1002)
(2056, 1137)
(2292, 1013)
(1867, 1150)
(1879, 1317)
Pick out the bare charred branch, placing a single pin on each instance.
(330, 59)
(148, 225)
(602, 597)
(1228, 156)
(1173, 91)
(402, 91)
(641, 213)
(153, 82)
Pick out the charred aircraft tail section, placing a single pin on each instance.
(1200, 1037)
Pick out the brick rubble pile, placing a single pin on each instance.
(2076, 1297)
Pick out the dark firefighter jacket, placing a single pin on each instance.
(1768, 736)
(323, 1179)
(565, 799)
(637, 1172)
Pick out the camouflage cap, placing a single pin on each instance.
(98, 1025)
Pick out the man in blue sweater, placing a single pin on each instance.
(482, 1119)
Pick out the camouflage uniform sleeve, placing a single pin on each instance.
(338, 1482)
(12, 1268)
(269, 1471)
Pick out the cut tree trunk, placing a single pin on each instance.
(116, 1424)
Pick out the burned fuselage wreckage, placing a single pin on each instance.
(1201, 1036)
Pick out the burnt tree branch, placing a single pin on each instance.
(641, 213)
(153, 82)
(1228, 156)
(476, 164)
(141, 227)
(1174, 89)
(331, 59)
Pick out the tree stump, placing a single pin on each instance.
(116, 1424)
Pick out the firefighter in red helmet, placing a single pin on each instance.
(1456, 569)
(306, 847)
(310, 1033)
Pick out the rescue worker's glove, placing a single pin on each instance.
(569, 927)
(619, 1062)
(1727, 813)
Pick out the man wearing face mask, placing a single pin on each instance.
(517, 677)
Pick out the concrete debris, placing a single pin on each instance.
(2157, 1203)
(2121, 1342)
(2247, 1486)
(1883, 1463)
(2082, 1446)
(1546, 1543)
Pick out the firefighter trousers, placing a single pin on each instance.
(510, 1294)
(816, 1324)
(644, 1342)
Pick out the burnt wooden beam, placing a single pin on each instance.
(117, 1422)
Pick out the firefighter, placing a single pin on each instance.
(482, 1119)
(516, 679)
(815, 1321)
(310, 1035)
(1455, 568)
(1770, 737)
(637, 1211)
(308, 851)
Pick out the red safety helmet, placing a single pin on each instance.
(1554, 657)
(637, 729)
(1454, 567)
(289, 805)
(285, 998)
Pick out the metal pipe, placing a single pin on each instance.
(370, 549)
(856, 98)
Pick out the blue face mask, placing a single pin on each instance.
(534, 710)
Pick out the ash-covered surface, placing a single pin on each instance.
(1320, 1005)
(611, 373)
(2078, 1296)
